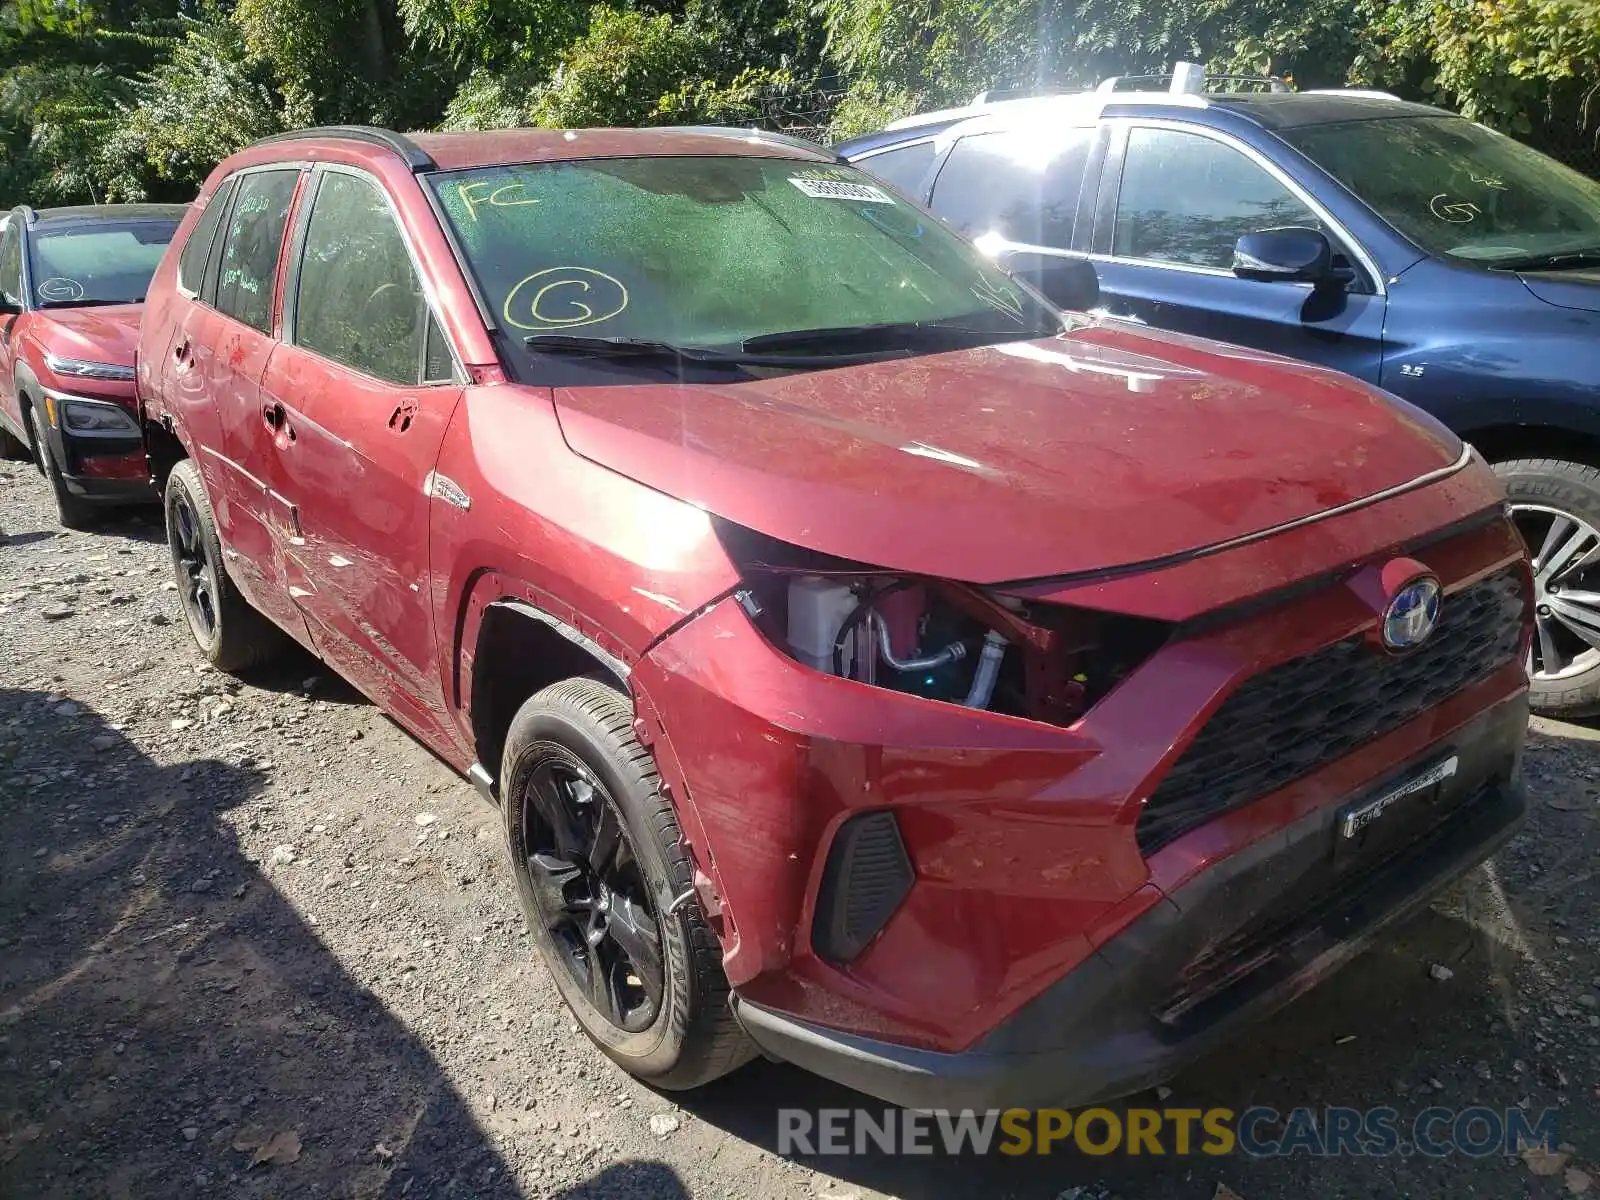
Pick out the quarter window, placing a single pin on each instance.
(1022, 184)
(359, 301)
(1187, 199)
(197, 250)
(251, 246)
(903, 167)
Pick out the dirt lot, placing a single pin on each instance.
(253, 920)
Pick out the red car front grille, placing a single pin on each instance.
(1298, 717)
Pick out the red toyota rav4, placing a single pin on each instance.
(71, 284)
(971, 703)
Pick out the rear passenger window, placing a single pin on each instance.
(197, 250)
(1022, 184)
(902, 168)
(250, 248)
(359, 301)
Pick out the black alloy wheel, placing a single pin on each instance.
(197, 580)
(589, 889)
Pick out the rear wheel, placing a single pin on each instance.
(231, 634)
(1556, 506)
(72, 511)
(608, 892)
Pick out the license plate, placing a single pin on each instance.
(1354, 819)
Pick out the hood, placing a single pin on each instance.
(107, 334)
(1566, 289)
(1098, 448)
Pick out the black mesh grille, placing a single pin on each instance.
(1295, 718)
(867, 876)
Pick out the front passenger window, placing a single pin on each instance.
(249, 271)
(359, 301)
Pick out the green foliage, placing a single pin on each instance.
(210, 98)
(630, 68)
(128, 98)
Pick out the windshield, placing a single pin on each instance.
(109, 263)
(714, 252)
(1458, 189)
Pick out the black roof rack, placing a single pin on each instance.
(416, 157)
(745, 133)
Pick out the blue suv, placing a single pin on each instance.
(1410, 247)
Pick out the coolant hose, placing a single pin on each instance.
(994, 651)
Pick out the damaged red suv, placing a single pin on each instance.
(874, 667)
(71, 284)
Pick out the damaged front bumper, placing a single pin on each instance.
(1237, 941)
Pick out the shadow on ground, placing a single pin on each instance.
(163, 1010)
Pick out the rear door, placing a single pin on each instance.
(368, 381)
(221, 351)
(1172, 202)
(1015, 188)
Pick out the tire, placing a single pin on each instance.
(72, 511)
(1556, 505)
(231, 634)
(581, 731)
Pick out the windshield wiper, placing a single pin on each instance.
(87, 303)
(1556, 260)
(626, 347)
(902, 334)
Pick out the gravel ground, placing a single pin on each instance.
(255, 941)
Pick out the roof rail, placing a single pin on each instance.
(1360, 93)
(750, 132)
(1188, 78)
(416, 157)
(997, 95)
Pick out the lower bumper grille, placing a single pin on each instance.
(1298, 717)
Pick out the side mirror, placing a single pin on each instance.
(1066, 280)
(1290, 255)
(9, 308)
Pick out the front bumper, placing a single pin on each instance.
(1235, 942)
(103, 468)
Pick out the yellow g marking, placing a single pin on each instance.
(554, 304)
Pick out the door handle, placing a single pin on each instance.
(182, 358)
(276, 418)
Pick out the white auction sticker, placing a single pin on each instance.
(839, 189)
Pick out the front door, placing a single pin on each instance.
(369, 384)
(1164, 238)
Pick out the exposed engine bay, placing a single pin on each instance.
(944, 640)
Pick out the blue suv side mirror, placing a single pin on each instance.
(1293, 254)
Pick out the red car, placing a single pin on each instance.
(975, 704)
(72, 282)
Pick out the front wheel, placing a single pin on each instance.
(71, 511)
(1556, 507)
(607, 889)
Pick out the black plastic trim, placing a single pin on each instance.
(867, 876)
